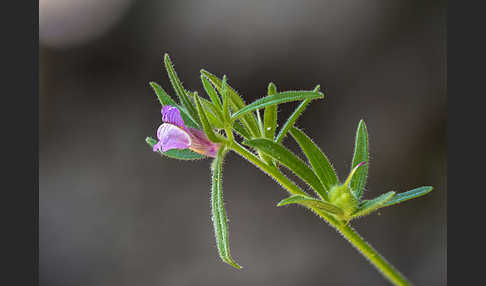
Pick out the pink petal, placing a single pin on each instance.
(172, 115)
(172, 137)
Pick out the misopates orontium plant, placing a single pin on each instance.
(196, 128)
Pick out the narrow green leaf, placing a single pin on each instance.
(269, 121)
(181, 154)
(205, 123)
(292, 162)
(312, 204)
(271, 89)
(259, 121)
(165, 99)
(319, 162)
(240, 130)
(218, 83)
(214, 116)
(412, 194)
(213, 94)
(270, 115)
(281, 97)
(219, 218)
(368, 206)
(179, 89)
(358, 181)
(293, 118)
(224, 94)
(236, 102)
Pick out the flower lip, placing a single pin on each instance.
(172, 137)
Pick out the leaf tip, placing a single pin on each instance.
(234, 264)
(272, 88)
(428, 189)
(204, 72)
(362, 123)
(166, 57)
(155, 86)
(149, 140)
(281, 203)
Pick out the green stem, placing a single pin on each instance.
(229, 133)
(270, 170)
(378, 261)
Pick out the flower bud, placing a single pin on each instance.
(343, 197)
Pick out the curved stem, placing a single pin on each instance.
(378, 261)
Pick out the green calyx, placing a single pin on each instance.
(342, 197)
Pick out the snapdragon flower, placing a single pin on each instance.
(173, 134)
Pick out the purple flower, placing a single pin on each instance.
(173, 134)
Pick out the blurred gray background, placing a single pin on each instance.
(114, 213)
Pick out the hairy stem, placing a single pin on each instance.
(378, 261)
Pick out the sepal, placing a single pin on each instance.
(369, 206)
(312, 204)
